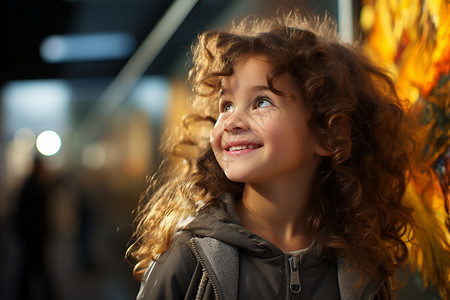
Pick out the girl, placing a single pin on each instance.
(294, 171)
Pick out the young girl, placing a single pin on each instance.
(294, 170)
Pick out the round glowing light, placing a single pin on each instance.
(24, 139)
(93, 156)
(48, 143)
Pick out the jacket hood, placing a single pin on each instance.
(220, 221)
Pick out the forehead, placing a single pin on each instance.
(251, 70)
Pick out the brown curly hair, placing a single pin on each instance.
(354, 112)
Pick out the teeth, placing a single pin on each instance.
(235, 148)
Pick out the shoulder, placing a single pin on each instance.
(351, 285)
(179, 252)
(172, 274)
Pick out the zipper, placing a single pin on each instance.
(197, 255)
(294, 282)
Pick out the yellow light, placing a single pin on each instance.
(367, 18)
(48, 143)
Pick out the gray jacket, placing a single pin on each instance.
(214, 257)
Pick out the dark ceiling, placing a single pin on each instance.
(26, 23)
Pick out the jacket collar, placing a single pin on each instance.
(220, 221)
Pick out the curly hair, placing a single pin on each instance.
(357, 207)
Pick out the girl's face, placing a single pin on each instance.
(259, 136)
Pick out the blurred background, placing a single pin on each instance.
(87, 88)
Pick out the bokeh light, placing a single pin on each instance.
(48, 143)
(93, 156)
(24, 139)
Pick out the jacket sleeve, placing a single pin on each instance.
(175, 275)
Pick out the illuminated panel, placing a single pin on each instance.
(36, 104)
(151, 94)
(345, 20)
(87, 47)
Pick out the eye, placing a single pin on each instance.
(263, 101)
(225, 106)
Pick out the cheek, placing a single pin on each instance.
(274, 132)
(289, 138)
(216, 138)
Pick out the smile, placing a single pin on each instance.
(243, 147)
(238, 148)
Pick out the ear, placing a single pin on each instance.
(341, 130)
(321, 151)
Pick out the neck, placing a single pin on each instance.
(277, 212)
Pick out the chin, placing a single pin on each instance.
(236, 177)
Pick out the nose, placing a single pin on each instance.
(235, 123)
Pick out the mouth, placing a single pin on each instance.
(241, 147)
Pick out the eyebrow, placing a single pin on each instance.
(257, 88)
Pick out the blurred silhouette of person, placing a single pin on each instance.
(84, 241)
(33, 228)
